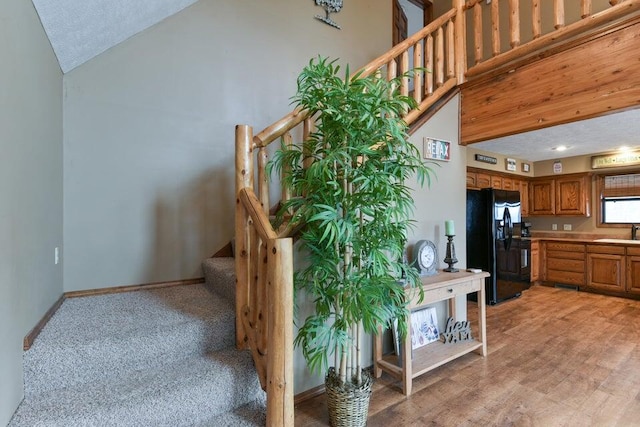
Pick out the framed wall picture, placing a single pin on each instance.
(437, 149)
(511, 165)
(526, 167)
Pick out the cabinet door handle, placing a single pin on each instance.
(450, 290)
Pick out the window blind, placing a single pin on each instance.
(621, 185)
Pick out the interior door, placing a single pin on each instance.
(400, 23)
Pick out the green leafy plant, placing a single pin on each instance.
(349, 181)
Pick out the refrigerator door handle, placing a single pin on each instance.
(506, 218)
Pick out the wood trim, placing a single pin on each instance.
(33, 334)
(309, 394)
(132, 288)
(225, 252)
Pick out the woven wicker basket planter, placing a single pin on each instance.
(348, 405)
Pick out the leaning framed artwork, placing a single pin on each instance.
(424, 327)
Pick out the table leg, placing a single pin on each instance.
(482, 318)
(377, 353)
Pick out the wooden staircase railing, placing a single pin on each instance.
(264, 257)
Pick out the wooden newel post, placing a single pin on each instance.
(244, 178)
(460, 41)
(280, 360)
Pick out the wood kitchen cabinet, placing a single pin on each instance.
(542, 197)
(567, 195)
(471, 180)
(565, 263)
(535, 261)
(479, 178)
(508, 184)
(606, 268)
(633, 270)
(573, 194)
(523, 187)
(483, 180)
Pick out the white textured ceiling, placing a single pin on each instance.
(598, 135)
(81, 29)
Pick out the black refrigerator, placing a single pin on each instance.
(494, 243)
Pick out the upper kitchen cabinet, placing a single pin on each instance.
(566, 195)
(542, 197)
(573, 194)
(481, 178)
(523, 187)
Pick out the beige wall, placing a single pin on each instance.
(446, 198)
(149, 129)
(500, 166)
(30, 187)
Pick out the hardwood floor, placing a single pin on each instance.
(556, 358)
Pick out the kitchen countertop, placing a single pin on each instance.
(597, 239)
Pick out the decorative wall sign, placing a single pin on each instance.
(437, 149)
(456, 332)
(615, 160)
(330, 6)
(557, 166)
(526, 167)
(511, 165)
(486, 159)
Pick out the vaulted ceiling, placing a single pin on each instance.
(81, 29)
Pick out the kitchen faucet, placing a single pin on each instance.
(634, 231)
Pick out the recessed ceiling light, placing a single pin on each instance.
(560, 148)
(624, 149)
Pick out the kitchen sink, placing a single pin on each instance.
(625, 241)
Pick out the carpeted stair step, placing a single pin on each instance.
(251, 414)
(220, 276)
(114, 335)
(220, 389)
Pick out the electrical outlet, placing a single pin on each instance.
(567, 227)
(56, 255)
(554, 227)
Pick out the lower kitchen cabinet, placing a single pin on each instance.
(633, 270)
(612, 269)
(606, 268)
(565, 263)
(535, 261)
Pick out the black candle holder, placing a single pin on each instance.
(450, 258)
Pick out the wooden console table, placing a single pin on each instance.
(441, 287)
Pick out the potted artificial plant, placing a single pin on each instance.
(349, 181)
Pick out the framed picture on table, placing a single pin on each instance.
(424, 327)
